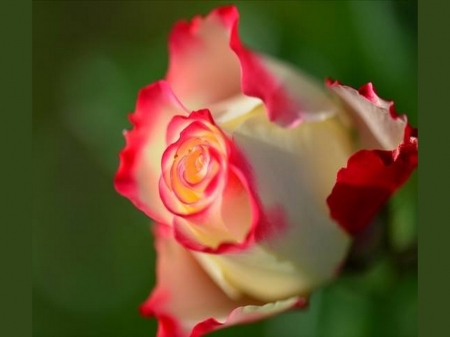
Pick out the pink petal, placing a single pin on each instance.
(375, 119)
(370, 178)
(202, 67)
(140, 161)
(209, 64)
(188, 303)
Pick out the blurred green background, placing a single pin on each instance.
(93, 258)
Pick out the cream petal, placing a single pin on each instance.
(377, 124)
(188, 303)
(258, 273)
(303, 89)
(294, 171)
(226, 224)
(229, 112)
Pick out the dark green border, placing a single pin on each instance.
(15, 243)
(433, 182)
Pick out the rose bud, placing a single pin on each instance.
(256, 177)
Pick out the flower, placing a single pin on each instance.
(256, 177)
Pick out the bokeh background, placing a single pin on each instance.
(93, 258)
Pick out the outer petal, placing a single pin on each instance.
(209, 64)
(202, 67)
(371, 177)
(259, 272)
(289, 96)
(368, 181)
(294, 171)
(378, 125)
(188, 303)
(140, 161)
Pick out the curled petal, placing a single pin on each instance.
(177, 193)
(290, 97)
(208, 51)
(202, 68)
(180, 123)
(377, 123)
(259, 272)
(367, 182)
(188, 303)
(140, 161)
(230, 112)
(372, 175)
(249, 313)
(204, 185)
(230, 224)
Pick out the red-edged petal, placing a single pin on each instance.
(226, 215)
(229, 225)
(377, 123)
(140, 161)
(249, 313)
(209, 64)
(188, 303)
(289, 96)
(370, 178)
(202, 67)
(179, 123)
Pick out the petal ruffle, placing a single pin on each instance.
(209, 64)
(370, 178)
(372, 175)
(202, 68)
(378, 125)
(188, 303)
(140, 161)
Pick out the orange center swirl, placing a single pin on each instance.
(192, 167)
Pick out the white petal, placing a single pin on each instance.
(376, 127)
(294, 171)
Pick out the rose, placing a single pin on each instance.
(257, 178)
